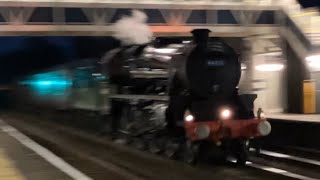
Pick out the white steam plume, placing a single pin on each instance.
(133, 29)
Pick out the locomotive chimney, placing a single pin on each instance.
(201, 36)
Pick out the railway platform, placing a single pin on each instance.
(312, 118)
(295, 131)
(23, 159)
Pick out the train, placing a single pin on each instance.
(180, 99)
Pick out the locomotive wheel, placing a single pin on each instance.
(171, 150)
(243, 153)
(256, 145)
(190, 153)
(154, 148)
(257, 150)
(139, 144)
(242, 158)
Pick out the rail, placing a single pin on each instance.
(139, 97)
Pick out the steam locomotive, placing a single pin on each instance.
(182, 99)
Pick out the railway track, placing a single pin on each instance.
(290, 165)
(100, 158)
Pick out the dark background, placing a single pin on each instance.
(309, 3)
(21, 55)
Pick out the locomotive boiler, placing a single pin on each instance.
(189, 91)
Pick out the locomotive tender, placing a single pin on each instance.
(190, 90)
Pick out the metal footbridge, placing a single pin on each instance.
(231, 18)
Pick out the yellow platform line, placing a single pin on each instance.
(7, 169)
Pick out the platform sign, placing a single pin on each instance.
(309, 96)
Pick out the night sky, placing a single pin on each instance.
(309, 3)
(22, 55)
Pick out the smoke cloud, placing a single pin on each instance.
(133, 29)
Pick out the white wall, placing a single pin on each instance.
(270, 87)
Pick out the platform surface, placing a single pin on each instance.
(295, 117)
(19, 162)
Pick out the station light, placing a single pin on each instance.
(271, 61)
(313, 58)
(314, 64)
(313, 61)
(270, 67)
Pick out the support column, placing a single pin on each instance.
(245, 85)
(269, 86)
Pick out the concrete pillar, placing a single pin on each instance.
(245, 85)
(269, 86)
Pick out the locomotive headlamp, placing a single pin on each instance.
(188, 116)
(225, 113)
(270, 67)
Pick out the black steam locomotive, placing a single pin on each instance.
(182, 97)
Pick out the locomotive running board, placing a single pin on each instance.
(139, 97)
(149, 74)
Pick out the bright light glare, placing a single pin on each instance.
(149, 49)
(313, 61)
(44, 82)
(226, 113)
(313, 58)
(275, 170)
(314, 64)
(165, 58)
(165, 50)
(243, 67)
(148, 55)
(189, 118)
(269, 67)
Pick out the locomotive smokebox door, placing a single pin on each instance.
(212, 69)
